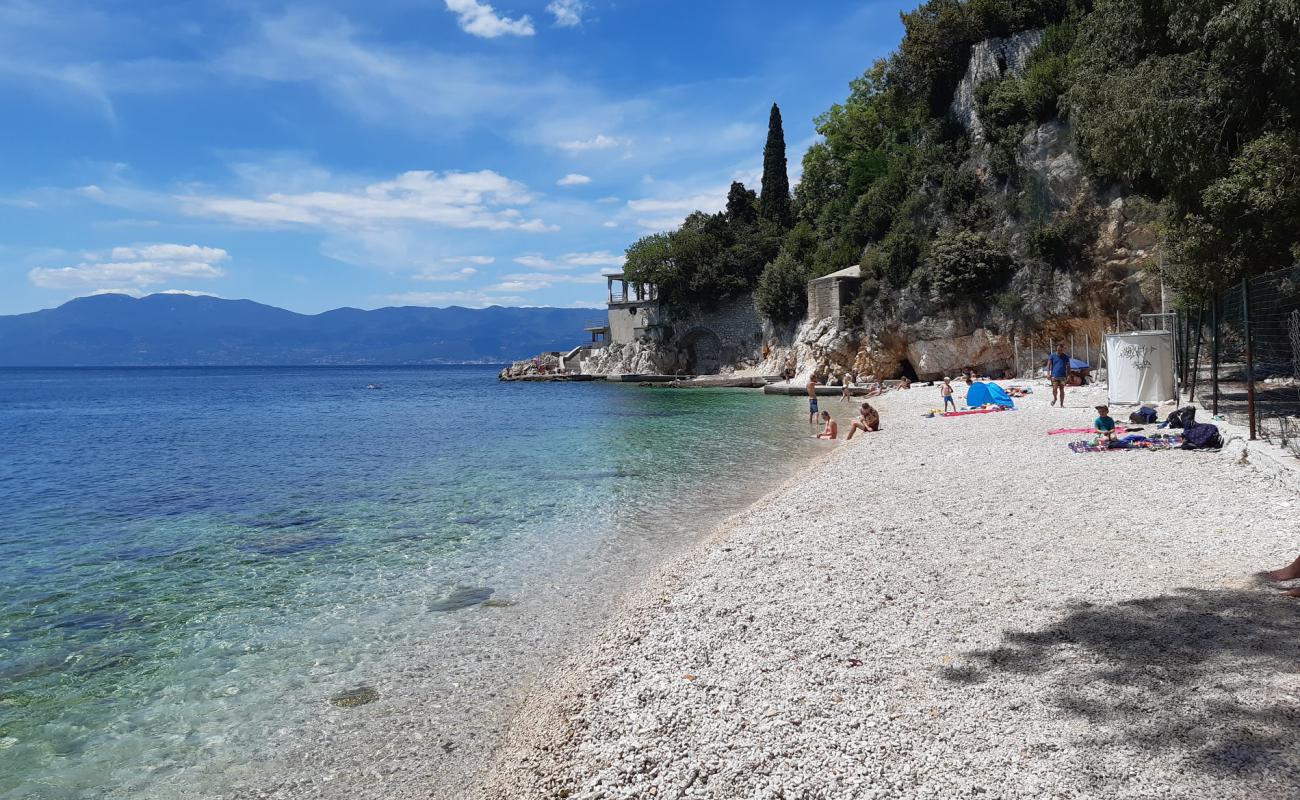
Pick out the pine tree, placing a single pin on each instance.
(774, 203)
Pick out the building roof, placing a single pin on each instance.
(854, 271)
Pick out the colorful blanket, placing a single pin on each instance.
(1135, 442)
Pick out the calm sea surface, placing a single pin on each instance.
(193, 561)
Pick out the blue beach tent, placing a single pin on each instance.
(981, 394)
(1078, 363)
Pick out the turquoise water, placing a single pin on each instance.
(193, 560)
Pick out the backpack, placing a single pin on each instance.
(1202, 436)
(1184, 417)
(1144, 415)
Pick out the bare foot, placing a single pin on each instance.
(1288, 573)
(1291, 593)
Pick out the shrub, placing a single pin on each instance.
(963, 265)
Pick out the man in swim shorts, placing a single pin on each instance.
(1059, 364)
(812, 399)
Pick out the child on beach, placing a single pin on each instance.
(812, 399)
(831, 431)
(1104, 424)
(946, 391)
(845, 393)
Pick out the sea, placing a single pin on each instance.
(220, 581)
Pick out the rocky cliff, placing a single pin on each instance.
(1115, 247)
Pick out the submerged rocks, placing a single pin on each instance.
(352, 698)
(462, 597)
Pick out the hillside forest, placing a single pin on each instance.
(1190, 107)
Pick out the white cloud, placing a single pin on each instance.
(595, 258)
(573, 179)
(567, 13)
(462, 200)
(609, 224)
(598, 142)
(453, 275)
(469, 299)
(134, 268)
(536, 281)
(482, 261)
(667, 213)
(480, 19)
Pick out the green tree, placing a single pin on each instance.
(774, 203)
(742, 204)
(782, 291)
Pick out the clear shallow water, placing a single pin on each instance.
(193, 560)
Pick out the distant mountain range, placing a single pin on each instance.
(182, 330)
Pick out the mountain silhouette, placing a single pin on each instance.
(183, 330)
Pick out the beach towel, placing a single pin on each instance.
(1161, 442)
(972, 411)
(1057, 431)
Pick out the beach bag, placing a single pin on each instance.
(1183, 417)
(1144, 415)
(1202, 436)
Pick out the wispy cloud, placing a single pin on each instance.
(480, 19)
(447, 275)
(573, 179)
(596, 258)
(598, 142)
(484, 199)
(567, 13)
(134, 268)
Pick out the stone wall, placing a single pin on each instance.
(697, 342)
(823, 299)
(627, 320)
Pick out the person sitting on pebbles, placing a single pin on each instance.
(868, 420)
(1105, 424)
(832, 430)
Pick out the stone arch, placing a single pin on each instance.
(703, 351)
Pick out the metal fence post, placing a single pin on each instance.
(1214, 355)
(1250, 355)
(1196, 359)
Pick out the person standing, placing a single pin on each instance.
(1059, 369)
(812, 399)
(946, 391)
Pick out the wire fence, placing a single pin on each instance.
(1240, 355)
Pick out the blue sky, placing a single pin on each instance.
(399, 152)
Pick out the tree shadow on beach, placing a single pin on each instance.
(1207, 675)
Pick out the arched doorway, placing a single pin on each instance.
(703, 352)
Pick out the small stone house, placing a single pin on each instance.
(829, 294)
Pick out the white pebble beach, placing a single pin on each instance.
(949, 608)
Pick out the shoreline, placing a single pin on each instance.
(849, 633)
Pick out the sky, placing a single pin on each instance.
(390, 152)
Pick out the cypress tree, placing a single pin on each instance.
(774, 203)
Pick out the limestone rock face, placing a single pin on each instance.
(642, 357)
(989, 59)
(937, 358)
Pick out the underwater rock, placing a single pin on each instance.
(355, 697)
(462, 597)
(498, 602)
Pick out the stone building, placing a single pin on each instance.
(829, 294)
(633, 310)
